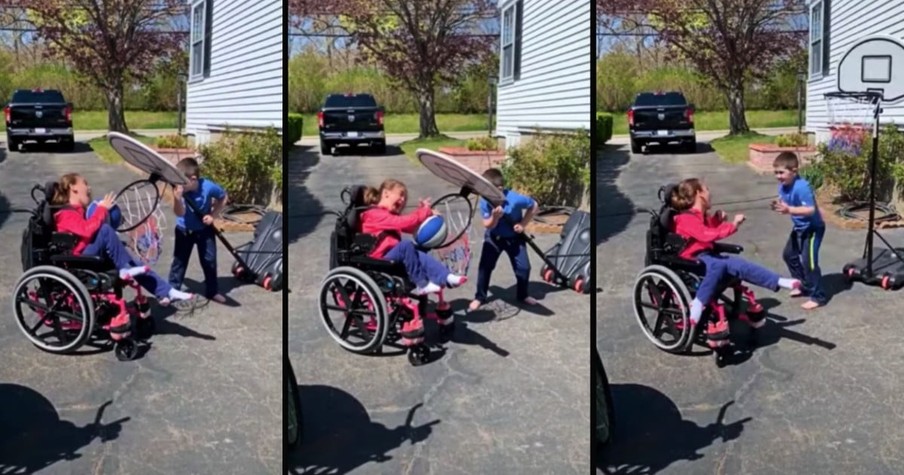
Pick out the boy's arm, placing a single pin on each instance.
(486, 212)
(533, 208)
(807, 203)
(218, 206)
(695, 229)
(179, 206)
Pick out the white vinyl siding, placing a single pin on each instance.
(243, 88)
(847, 25)
(551, 88)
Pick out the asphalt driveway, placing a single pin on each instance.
(822, 393)
(510, 394)
(206, 398)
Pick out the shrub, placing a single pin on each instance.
(295, 126)
(603, 127)
(814, 173)
(845, 159)
(483, 144)
(554, 169)
(247, 165)
(172, 141)
(792, 140)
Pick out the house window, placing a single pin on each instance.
(817, 43)
(201, 23)
(511, 41)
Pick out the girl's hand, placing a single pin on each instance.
(721, 215)
(108, 201)
(738, 219)
(425, 202)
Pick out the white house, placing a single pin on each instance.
(836, 26)
(544, 68)
(235, 66)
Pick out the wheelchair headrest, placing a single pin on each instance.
(353, 196)
(47, 208)
(665, 193)
(666, 212)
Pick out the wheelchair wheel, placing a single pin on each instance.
(58, 302)
(668, 309)
(361, 324)
(294, 420)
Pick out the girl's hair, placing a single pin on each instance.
(684, 195)
(61, 194)
(372, 195)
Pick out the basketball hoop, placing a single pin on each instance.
(458, 212)
(853, 119)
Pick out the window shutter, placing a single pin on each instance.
(208, 34)
(826, 36)
(519, 6)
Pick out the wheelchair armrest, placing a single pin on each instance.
(63, 240)
(728, 248)
(77, 260)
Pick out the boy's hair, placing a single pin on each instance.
(685, 193)
(372, 195)
(786, 160)
(494, 176)
(61, 194)
(189, 167)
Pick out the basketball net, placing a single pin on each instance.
(145, 240)
(455, 253)
(852, 121)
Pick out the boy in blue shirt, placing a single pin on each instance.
(191, 230)
(796, 198)
(504, 225)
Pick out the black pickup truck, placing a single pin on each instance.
(40, 115)
(663, 118)
(351, 119)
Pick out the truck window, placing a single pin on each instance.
(352, 102)
(46, 97)
(667, 99)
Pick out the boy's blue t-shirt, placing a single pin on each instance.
(514, 206)
(799, 193)
(202, 198)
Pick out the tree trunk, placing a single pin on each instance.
(427, 110)
(116, 118)
(737, 119)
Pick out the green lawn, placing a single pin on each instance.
(409, 123)
(97, 120)
(411, 146)
(102, 148)
(718, 120)
(735, 149)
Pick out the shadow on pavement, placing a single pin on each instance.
(3, 153)
(613, 209)
(5, 210)
(33, 437)
(649, 433)
(304, 210)
(365, 151)
(339, 437)
(53, 147)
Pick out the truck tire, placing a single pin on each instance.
(380, 147)
(11, 144)
(68, 144)
(636, 147)
(325, 148)
(690, 146)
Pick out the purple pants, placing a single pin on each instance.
(421, 267)
(719, 266)
(106, 242)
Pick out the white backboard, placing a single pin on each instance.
(875, 63)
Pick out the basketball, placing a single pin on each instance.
(114, 217)
(431, 233)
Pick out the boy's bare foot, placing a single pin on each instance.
(218, 298)
(530, 301)
(475, 304)
(810, 305)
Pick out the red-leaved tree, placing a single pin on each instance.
(421, 44)
(108, 41)
(729, 42)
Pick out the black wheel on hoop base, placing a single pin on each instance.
(126, 350)
(418, 354)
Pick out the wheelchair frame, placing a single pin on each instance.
(376, 288)
(672, 296)
(85, 287)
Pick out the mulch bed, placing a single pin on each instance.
(830, 214)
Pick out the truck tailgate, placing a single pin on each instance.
(37, 115)
(660, 118)
(361, 120)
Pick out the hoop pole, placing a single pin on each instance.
(874, 159)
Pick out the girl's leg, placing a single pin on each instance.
(715, 272)
(106, 242)
(757, 275)
(406, 253)
(436, 271)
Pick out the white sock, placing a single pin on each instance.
(788, 283)
(428, 289)
(126, 274)
(179, 295)
(696, 311)
(454, 280)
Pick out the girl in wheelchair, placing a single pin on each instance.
(96, 238)
(691, 199)
(384, 219)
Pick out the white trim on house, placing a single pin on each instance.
(845, 23)
(236, 73)
(549, 87)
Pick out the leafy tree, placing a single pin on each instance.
(729, 42)
(110, 42)
(420, 44)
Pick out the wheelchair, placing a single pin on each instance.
(73, 297)
(374, 296)
(670, 282)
